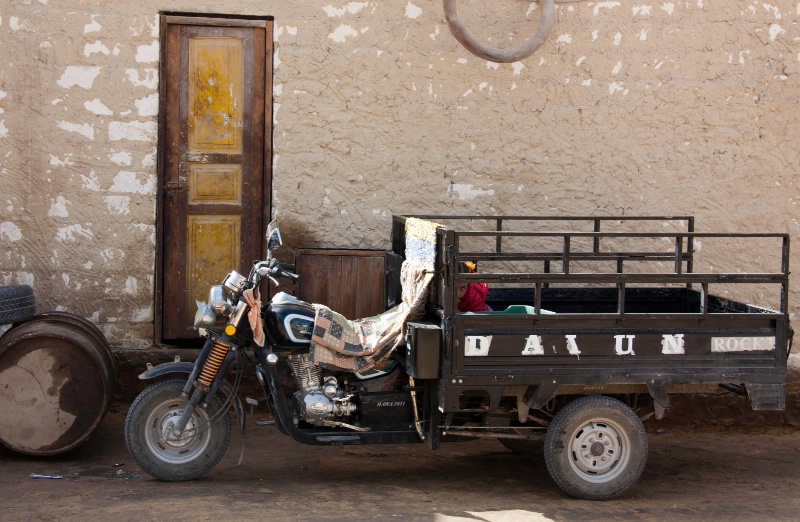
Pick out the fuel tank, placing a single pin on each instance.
(288, 323)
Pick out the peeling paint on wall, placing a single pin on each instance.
(413, 11)
(58, 207)
(81, 75)
(121, 158)
(118, 204)
(131, 286)
(96, 47)
(604, 5)
(84, 129)
(132, 130)
(627, 108)
(148, 77)
(97, 107)
(92, 27)
(466, 191)
(147, 106)
(352, 8)
(9, 231)
(126, 181)
(73, 232)
(341, 33)
(147, 53)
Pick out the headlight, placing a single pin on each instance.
(217, 307)
(217, 300)
(205, 316)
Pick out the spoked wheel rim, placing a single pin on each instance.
(164, 444)
(599, 451)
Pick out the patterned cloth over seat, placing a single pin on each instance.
(357, 346)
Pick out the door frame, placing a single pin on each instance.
(219, 20)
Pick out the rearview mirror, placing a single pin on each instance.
(273, 236)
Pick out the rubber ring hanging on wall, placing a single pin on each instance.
(515, 54)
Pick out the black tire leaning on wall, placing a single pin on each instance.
(17, 303)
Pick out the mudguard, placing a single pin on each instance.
(187, 368)
(166, 368)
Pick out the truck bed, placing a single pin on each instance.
(605, 304)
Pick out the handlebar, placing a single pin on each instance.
(273, 268)
(289, 275)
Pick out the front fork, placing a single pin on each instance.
(209, 371)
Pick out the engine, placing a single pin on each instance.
(317, 402)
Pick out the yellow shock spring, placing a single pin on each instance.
(214, 360)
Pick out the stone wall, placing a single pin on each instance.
(628, 108)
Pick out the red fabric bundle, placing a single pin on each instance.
(474, 299)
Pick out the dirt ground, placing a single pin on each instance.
(709, 474)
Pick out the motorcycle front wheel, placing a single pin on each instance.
(157, 451)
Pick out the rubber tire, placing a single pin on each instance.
(16, 304)
(605, 412)
(136, 427)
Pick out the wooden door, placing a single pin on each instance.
(214, 155)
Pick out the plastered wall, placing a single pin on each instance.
(628, 108)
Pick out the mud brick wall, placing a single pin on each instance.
(628, 108)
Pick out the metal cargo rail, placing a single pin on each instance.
(590, 284)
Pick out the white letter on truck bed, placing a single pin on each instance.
(571, 345)
(672, 344)
(533, 346)
(477, 345)
(619, 350)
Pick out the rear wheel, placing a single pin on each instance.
(595, 448)
(157, 451)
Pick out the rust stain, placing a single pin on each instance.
(215, 88)
(213, 251)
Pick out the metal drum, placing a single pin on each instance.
(57, 381)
